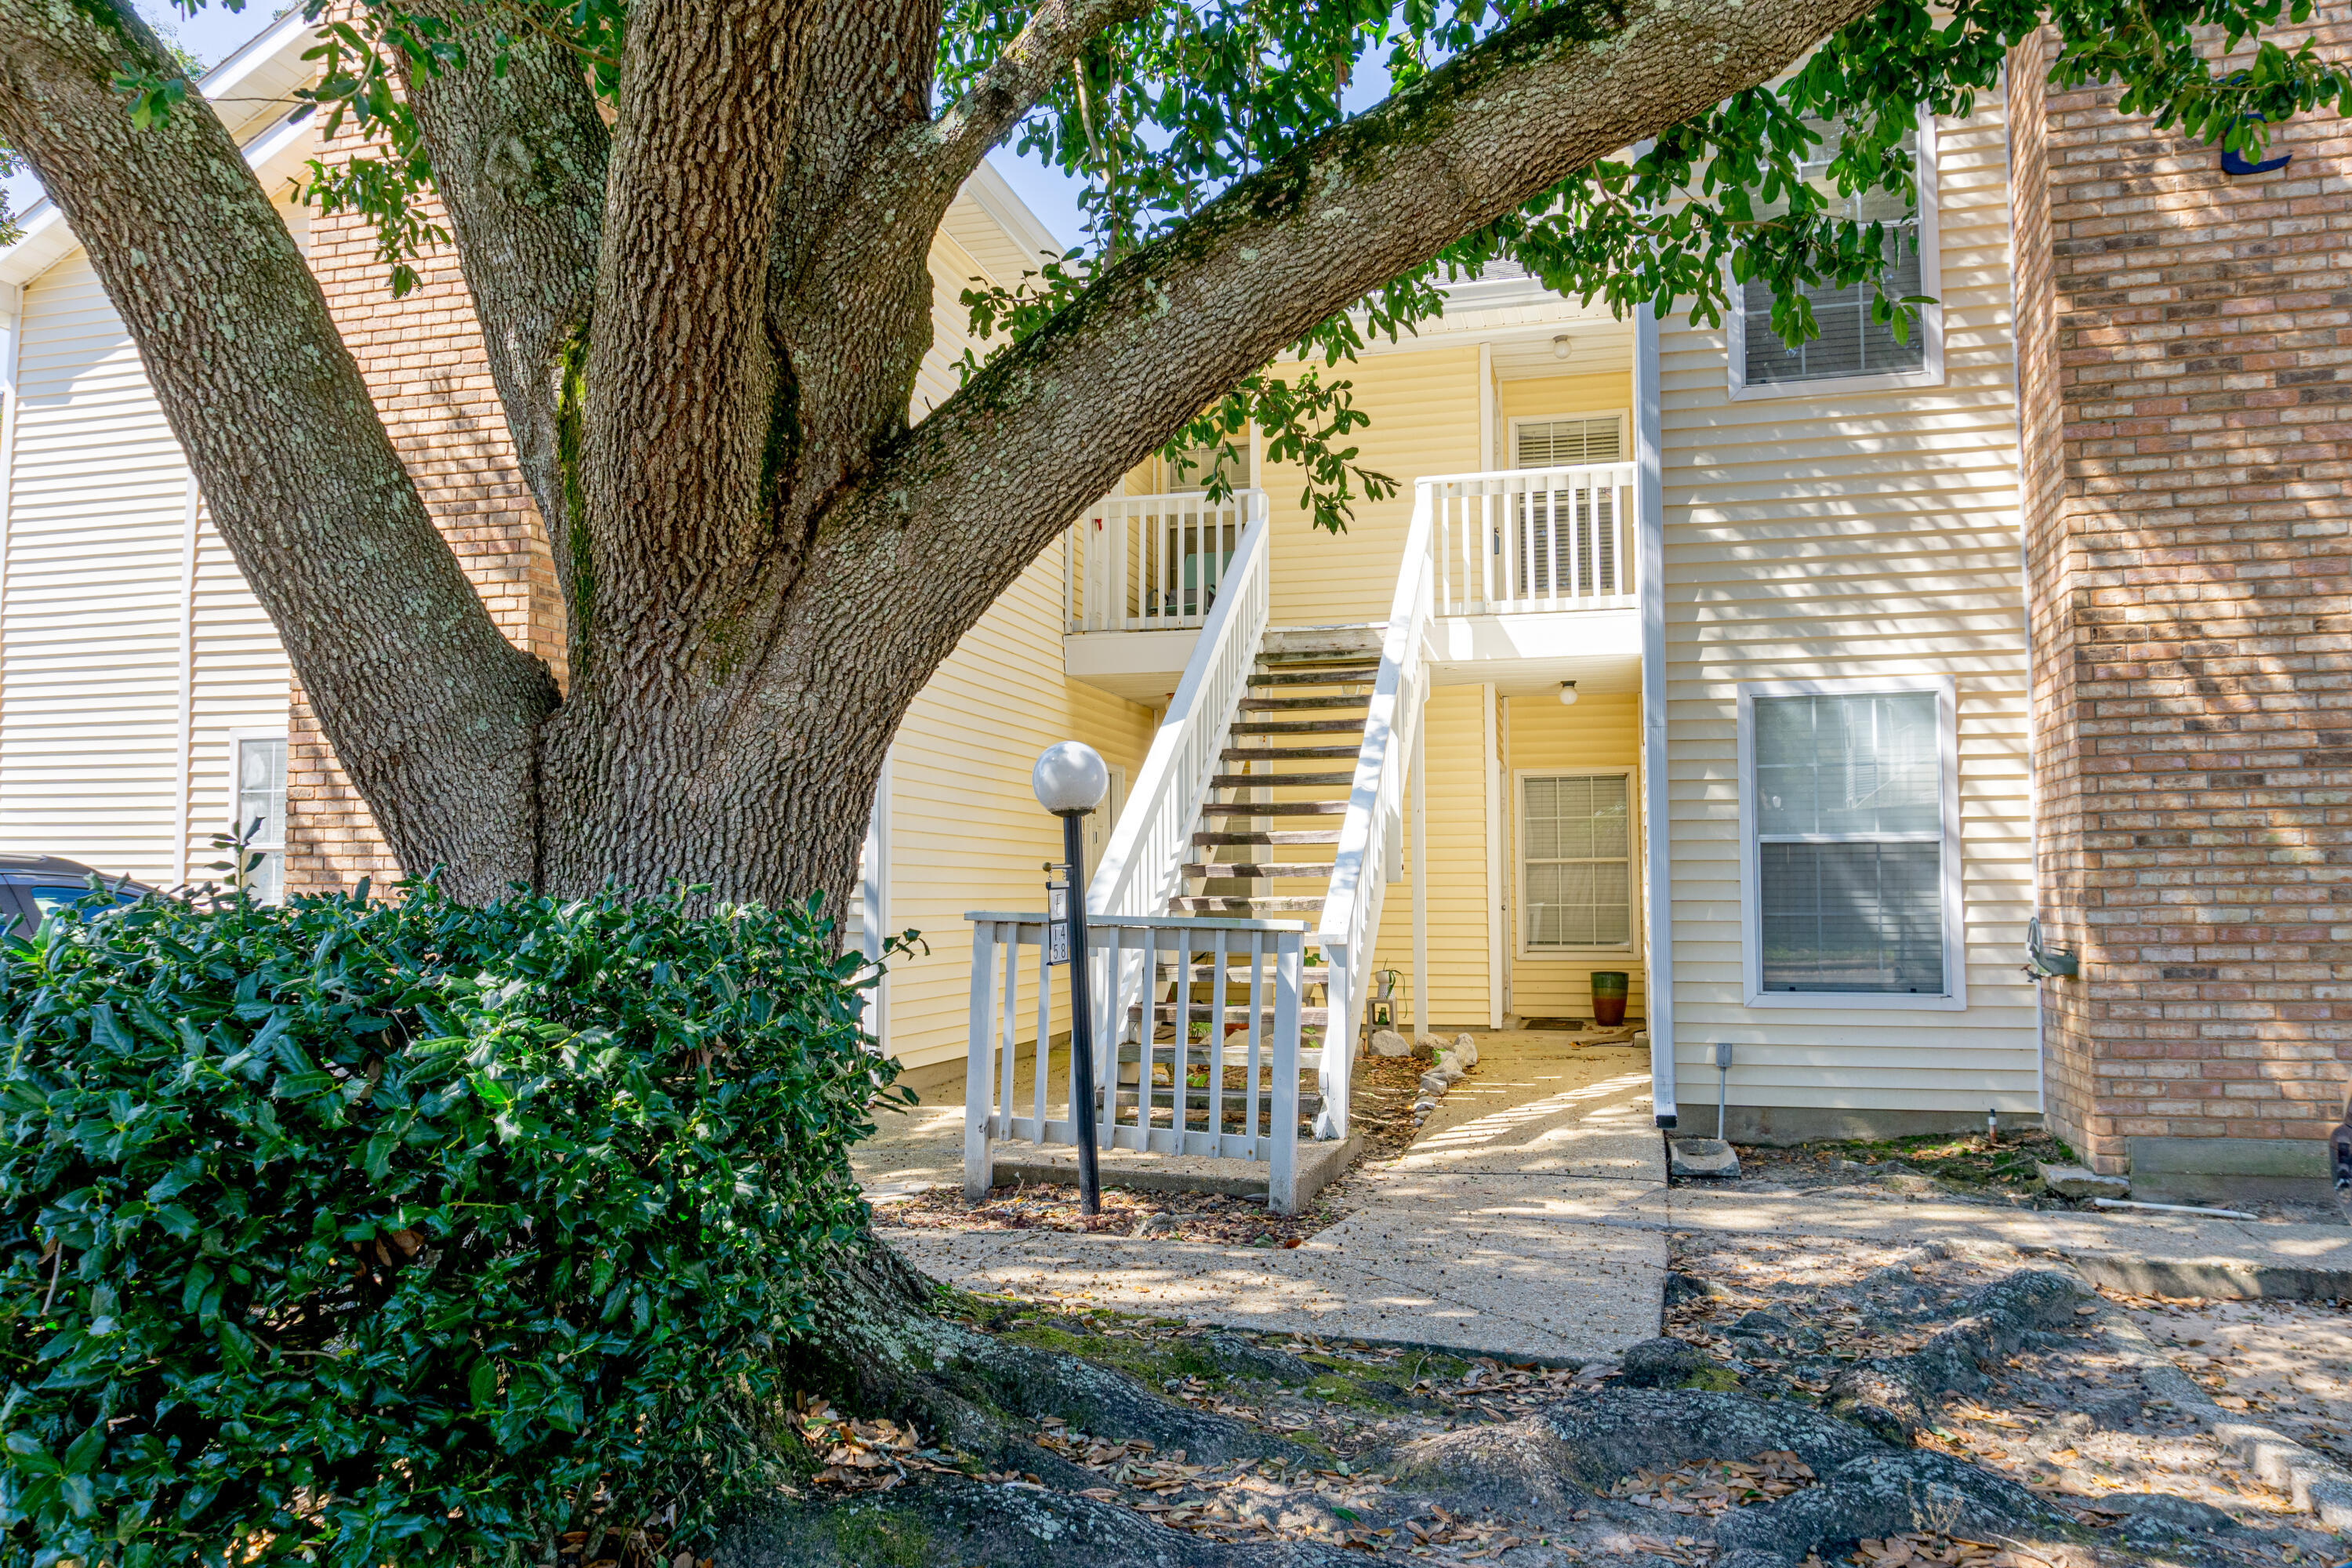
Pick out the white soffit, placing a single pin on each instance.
(252, 91)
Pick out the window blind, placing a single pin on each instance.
(1851, 343)
(1565, 443)
(1576, 845)
(1849, 851)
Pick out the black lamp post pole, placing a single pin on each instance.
(1082, 1040)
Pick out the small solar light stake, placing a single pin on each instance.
(1992, 1128)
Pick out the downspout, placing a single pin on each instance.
(1650, 563)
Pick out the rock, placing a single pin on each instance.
(1389, 1042)
(1423, 1106)
(1703, 1157)
(1434, 1043)
(1448, 1069)
(1466, 1050)
(2081, 1181)
(1683, 1288)
(1433, 1083)
(1663, 1362)
(1154, 1225)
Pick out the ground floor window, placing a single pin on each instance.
(1849, 808)
(1576, 869)
(260, 781)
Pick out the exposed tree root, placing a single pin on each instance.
(889, 1350)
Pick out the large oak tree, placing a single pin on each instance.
(695, 232)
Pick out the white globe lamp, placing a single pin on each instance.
(1568, 694)
(1070, 778)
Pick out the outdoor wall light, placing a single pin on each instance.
(1560, 346)
(1568, 694)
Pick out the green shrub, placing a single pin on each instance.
(376, 1233)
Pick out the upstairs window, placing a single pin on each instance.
(1566, 443)
(1851, 345)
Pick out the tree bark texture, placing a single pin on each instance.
(764, 562)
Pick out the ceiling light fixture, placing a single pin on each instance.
(1568, 694)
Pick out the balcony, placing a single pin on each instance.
(1140, 575)
(1525, 565)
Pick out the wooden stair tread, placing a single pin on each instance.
(1289, 704)
(1297, 727)
(1221, 904)
(1292, 836)
(1278, 780)
(1285, 753)
(1275, 807)
(1241, 871)
(1347, 674)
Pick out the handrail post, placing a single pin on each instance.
(979, 1173)
(1282, 1163)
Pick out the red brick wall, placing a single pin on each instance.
(423, 357)
(2186, 381)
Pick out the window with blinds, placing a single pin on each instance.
(1193, 466)
(1850, 843)
(1568, 540)
(1576, 866)
(1851, 343)
(1566, 443)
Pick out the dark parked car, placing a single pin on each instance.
(33, 885)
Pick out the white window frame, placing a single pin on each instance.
(237, 744)
(1632, 946)
(1511, 436)
(1955, 996)
(1930, 325)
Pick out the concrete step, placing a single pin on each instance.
(1204, 973)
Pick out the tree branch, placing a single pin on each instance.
(951, 146)
(430, 710)
(959, 505)
(518, 159)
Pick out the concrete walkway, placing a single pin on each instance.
(1472, 1241)
(1528, 1221)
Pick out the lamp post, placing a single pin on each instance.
(1070, 780)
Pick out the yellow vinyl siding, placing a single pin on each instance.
(1849, 534)
(1546, 396)
(965, 831)
(1452, 750)
(1601, 732)
(1424, 420)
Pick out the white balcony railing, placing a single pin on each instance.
(1232, 1093)
(1152, 563)
(1532, 538)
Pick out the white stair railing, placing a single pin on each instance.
(1371, 835)
(1244, 1105)
(1155, 563)
(1142, 866)
(1533, 539)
